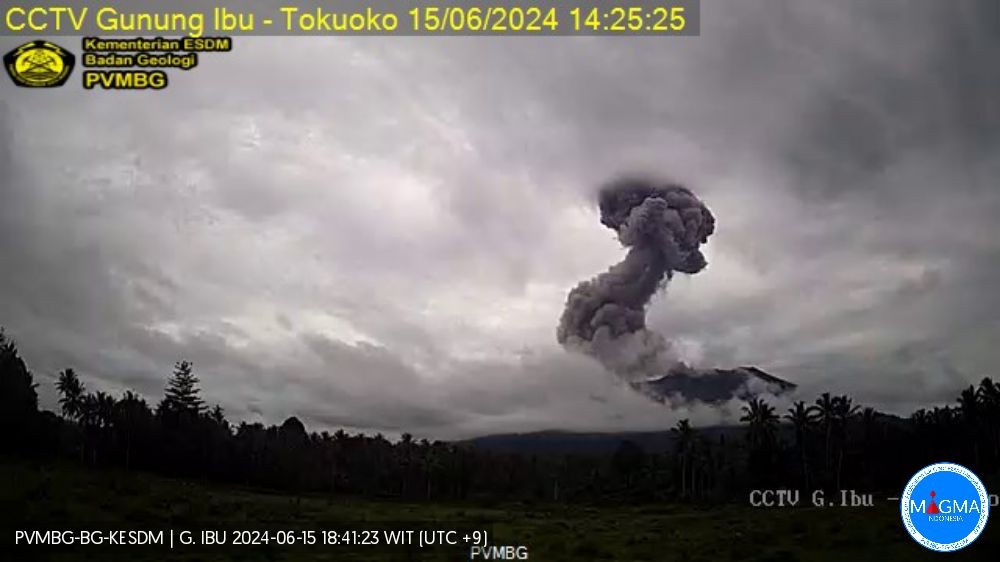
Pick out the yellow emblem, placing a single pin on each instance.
(39, 64)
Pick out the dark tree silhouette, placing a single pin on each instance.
(844, 409)
(831, 443)
(18, 398)
(802, 418)
(627, 460)
(685, 438)
(826, 410)
(72, 394)
(218, 416)
(182, 394)
(989, 396)
(761, 436)
(970, 406)
(763, 422)
(133, 421)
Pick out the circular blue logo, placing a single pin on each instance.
(945, 507)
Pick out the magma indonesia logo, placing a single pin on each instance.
(39, 64)
(945, 507)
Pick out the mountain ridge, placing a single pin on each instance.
(563, 442)
(714, 385)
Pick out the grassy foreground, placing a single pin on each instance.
(51, 497)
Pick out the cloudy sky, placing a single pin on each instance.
(380, 233)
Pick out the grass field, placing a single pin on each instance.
(50, 497)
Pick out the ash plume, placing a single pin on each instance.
(663, 226)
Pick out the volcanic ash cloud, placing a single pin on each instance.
(663, 226)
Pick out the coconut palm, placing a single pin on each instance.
(762, 421)
(843, 410)
(96, 418)
(72, 392)
(131, 417)
(989, 397)
(685, 436)
(869, 421)
(942, 418)
(826, 413)
(803, 419)
(871, 440)
(970, 411)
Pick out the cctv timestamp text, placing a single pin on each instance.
(546, 19)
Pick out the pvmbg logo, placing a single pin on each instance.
(39, 64)
(945, 507)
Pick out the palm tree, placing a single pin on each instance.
(72, 392)
(989, 397)
(843, 409)
(942, 417)
(763, 423)
(826, 410)
(701, 466)
(869, 420)
(105, 405)
(803, 418)
(96, 418)
(872, 454)
(130, 417)
(969, 407)
(762, 420)
(941, 422)
(685, 444)
(628, 460)
(433, 465)
(404, 460)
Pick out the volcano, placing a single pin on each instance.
(714, 386)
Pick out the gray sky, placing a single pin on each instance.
(380, 233)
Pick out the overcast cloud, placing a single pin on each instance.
(380, 233)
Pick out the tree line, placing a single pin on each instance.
(830, 443)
